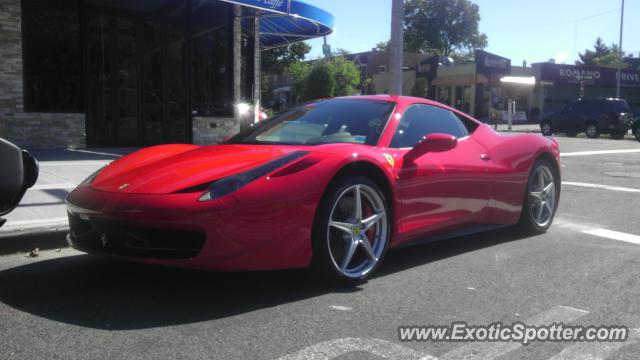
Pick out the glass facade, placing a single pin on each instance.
(52, 57)
(139, 70)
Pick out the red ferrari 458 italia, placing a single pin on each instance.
(331, 184)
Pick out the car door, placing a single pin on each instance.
(575, 118)
(438, 191)
(564, 121)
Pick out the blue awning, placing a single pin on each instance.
(303, 22)
(284, 22)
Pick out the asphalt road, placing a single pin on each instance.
(74, 306)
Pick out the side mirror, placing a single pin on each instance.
(433, 143)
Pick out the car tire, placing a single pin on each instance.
(636, 133)
(545, 128)
(343, 252)
(540, 202)
(592, 131)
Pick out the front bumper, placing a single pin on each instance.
(244, 231)
(618, 127)
(100, 236)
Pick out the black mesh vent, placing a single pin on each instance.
(112, 238)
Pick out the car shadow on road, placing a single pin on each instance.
(99, 293)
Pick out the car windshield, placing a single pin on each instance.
(323, 122)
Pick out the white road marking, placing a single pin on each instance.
(94, 152)
(334, 348)
(488, 350)
(570, 225)
(603, 187)
(388, 350)
(599, 232)
(594, 350)
(340, 307)
(599, 152)
(614, 235)
(53, 186)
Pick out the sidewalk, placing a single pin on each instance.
(41, 213)
(533, 128)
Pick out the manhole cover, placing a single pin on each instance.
(634, 175)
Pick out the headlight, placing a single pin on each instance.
(89, 180)
(226, 186)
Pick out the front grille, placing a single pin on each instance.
(96, 235)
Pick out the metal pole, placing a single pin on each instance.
(620, 52)
(397, 46)
(510, 110)
(257, 78)
(237, 64)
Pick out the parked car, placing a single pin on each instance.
(19, 172)
(593, 117)
(635, 130)
(330, 184)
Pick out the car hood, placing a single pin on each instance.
(172, 168)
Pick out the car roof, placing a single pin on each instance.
(607, 100)
(395, 98)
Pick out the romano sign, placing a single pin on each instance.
(593, 75)
(281, 6)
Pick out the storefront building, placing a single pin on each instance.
(561, 83)
(484, 88)
(480, 89)
(136, 73)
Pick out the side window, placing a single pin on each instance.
(582, 107)
(421, 120)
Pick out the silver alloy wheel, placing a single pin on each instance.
(542, 191)
(357, 232)
(546, 128)
(592, 130)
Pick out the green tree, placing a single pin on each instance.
(340, 52)
(588, 57)
(320, 83)
(347, 76)
(601, 55)
(442, 27)
(326, 78)
(276, 61)
(460, 57)
(382, 45)
(300, 72)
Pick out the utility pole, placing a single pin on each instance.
(397, 46)
(257, 70)
(620, 52)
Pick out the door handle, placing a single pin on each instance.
(485, 157)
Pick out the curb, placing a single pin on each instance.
(17, 241)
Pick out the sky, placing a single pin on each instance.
(534, 31)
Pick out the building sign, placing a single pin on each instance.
(281, 6)
(561, 74)
(488, 63)
(428, 68)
